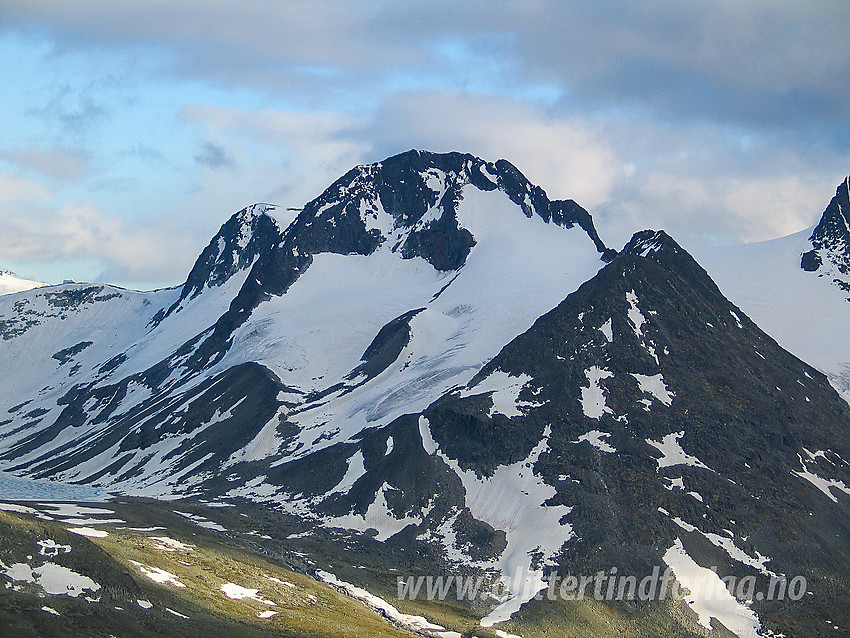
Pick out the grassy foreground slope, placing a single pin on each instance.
(150, 587)
(143, 568)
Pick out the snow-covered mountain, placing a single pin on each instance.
(11, 283)
(397, 283)
(452, 371)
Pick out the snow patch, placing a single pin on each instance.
(74, 511)
(378, 517)
(278, 580)
(672, 453)
(636, 317)
(355, 470)
(596, 439)
(417, 624)
(593, 396)
(655, 386)
(54, 579)
(736, 318)
(51, 548)
(92, 521)
(236, 592)
(88, 531)
(165, 544)
(725, 543)
(505, 389)
(200, 521)
(22, 509)
(607, 330)
(824, 485)
(158, 575)
(708, 595)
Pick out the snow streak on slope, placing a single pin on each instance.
(514, 499)
(708, 596)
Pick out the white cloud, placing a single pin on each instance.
(783, 204)
(282, 157)
(37, 227)
(54, 163)
(699, 209)
(757, 61)
(15, 190)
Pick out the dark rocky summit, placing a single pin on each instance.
(830, 253)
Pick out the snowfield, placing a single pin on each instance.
(11, 283)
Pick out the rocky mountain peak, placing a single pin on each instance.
(415, 204)
(650, 242)
(658, 246)
(830, 239)
(411, 201)
(241, 239)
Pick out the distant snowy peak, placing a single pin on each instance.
(411, 204)
(830, 240)
(11, 283)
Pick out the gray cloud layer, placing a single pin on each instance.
(758, 63)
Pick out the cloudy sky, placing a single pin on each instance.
(129, 132)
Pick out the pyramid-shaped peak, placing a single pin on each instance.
(659, 247)
(650, 242)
